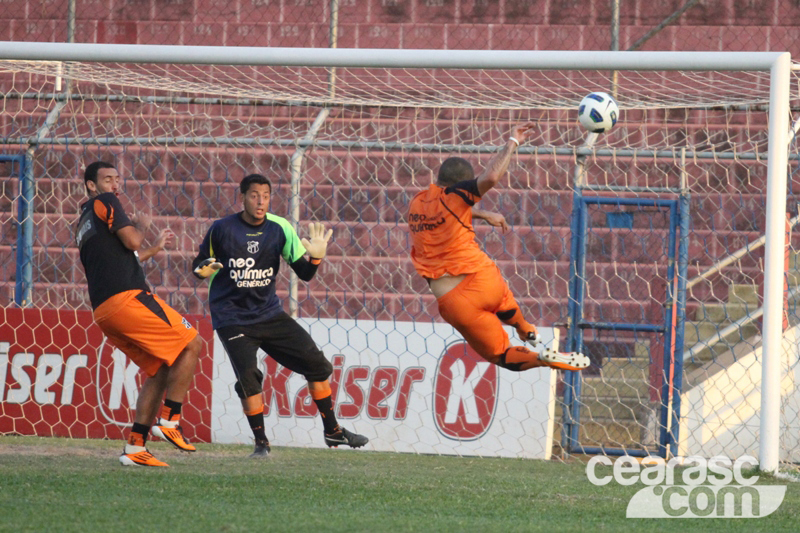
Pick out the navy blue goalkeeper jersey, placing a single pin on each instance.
(243, 290)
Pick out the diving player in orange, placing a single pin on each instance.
(472, 295)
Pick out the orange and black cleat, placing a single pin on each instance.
(143, 458)
(174, 436)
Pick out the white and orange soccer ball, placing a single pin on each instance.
(598, 112)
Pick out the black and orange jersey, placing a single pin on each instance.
(442, 238)
(110, 267)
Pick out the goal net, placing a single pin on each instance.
(641, 247)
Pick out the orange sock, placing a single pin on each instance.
(257, 411)
(320, 390)
(171, 411)
(321, 393)
(256, 420)
(136, 439)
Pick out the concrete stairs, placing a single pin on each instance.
(616, 410)
(711, 318)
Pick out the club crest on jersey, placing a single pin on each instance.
(252, 247)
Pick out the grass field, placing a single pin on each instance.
(78, 485)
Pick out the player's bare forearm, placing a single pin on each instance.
(498, 165)
(164, 238)
(479, 213)
(493, 219)
(144, 255)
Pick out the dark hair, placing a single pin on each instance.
(90, 174)
(254, 178)
(453, 170)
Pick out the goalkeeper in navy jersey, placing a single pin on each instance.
(240, 255)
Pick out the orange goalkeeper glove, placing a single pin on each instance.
(207, 267)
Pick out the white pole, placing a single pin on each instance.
(772, 330)
(382, 58)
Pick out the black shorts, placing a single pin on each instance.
(284, 340)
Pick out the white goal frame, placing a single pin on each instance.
(777, 63)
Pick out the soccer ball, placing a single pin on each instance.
(598, 112)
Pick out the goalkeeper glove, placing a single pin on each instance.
(207, 267)
(318, 245)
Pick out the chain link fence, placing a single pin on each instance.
(733, 25)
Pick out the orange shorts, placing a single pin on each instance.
(145, 328)
(471, 306)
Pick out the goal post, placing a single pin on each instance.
(186, 121)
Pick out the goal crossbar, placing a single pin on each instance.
(381, 58)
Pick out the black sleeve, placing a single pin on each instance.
(304, 268)
(112, 212)
(467, 190)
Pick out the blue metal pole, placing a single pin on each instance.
(683, 271)
(600, 450)
(666, 385)
(574, 312)
(621, 326)
(663, 441)
(22, 293)
(575, 379)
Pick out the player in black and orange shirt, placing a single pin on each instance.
(471, 293)
(152, 334)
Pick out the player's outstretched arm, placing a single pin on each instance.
(165, 238)
(498, 165)
(493, 219)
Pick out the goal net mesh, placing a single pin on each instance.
(360, 143)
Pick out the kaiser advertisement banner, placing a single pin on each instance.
(408, 387)
(59, 377)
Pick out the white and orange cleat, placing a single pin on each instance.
(139, 456)
(173, 435)
(563, 360)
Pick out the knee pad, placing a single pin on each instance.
(250, 383)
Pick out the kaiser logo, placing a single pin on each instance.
(465, 393)
(117, 384)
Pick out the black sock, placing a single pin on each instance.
(257, 425)
(325, 406)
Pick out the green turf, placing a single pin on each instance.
(78, 485)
